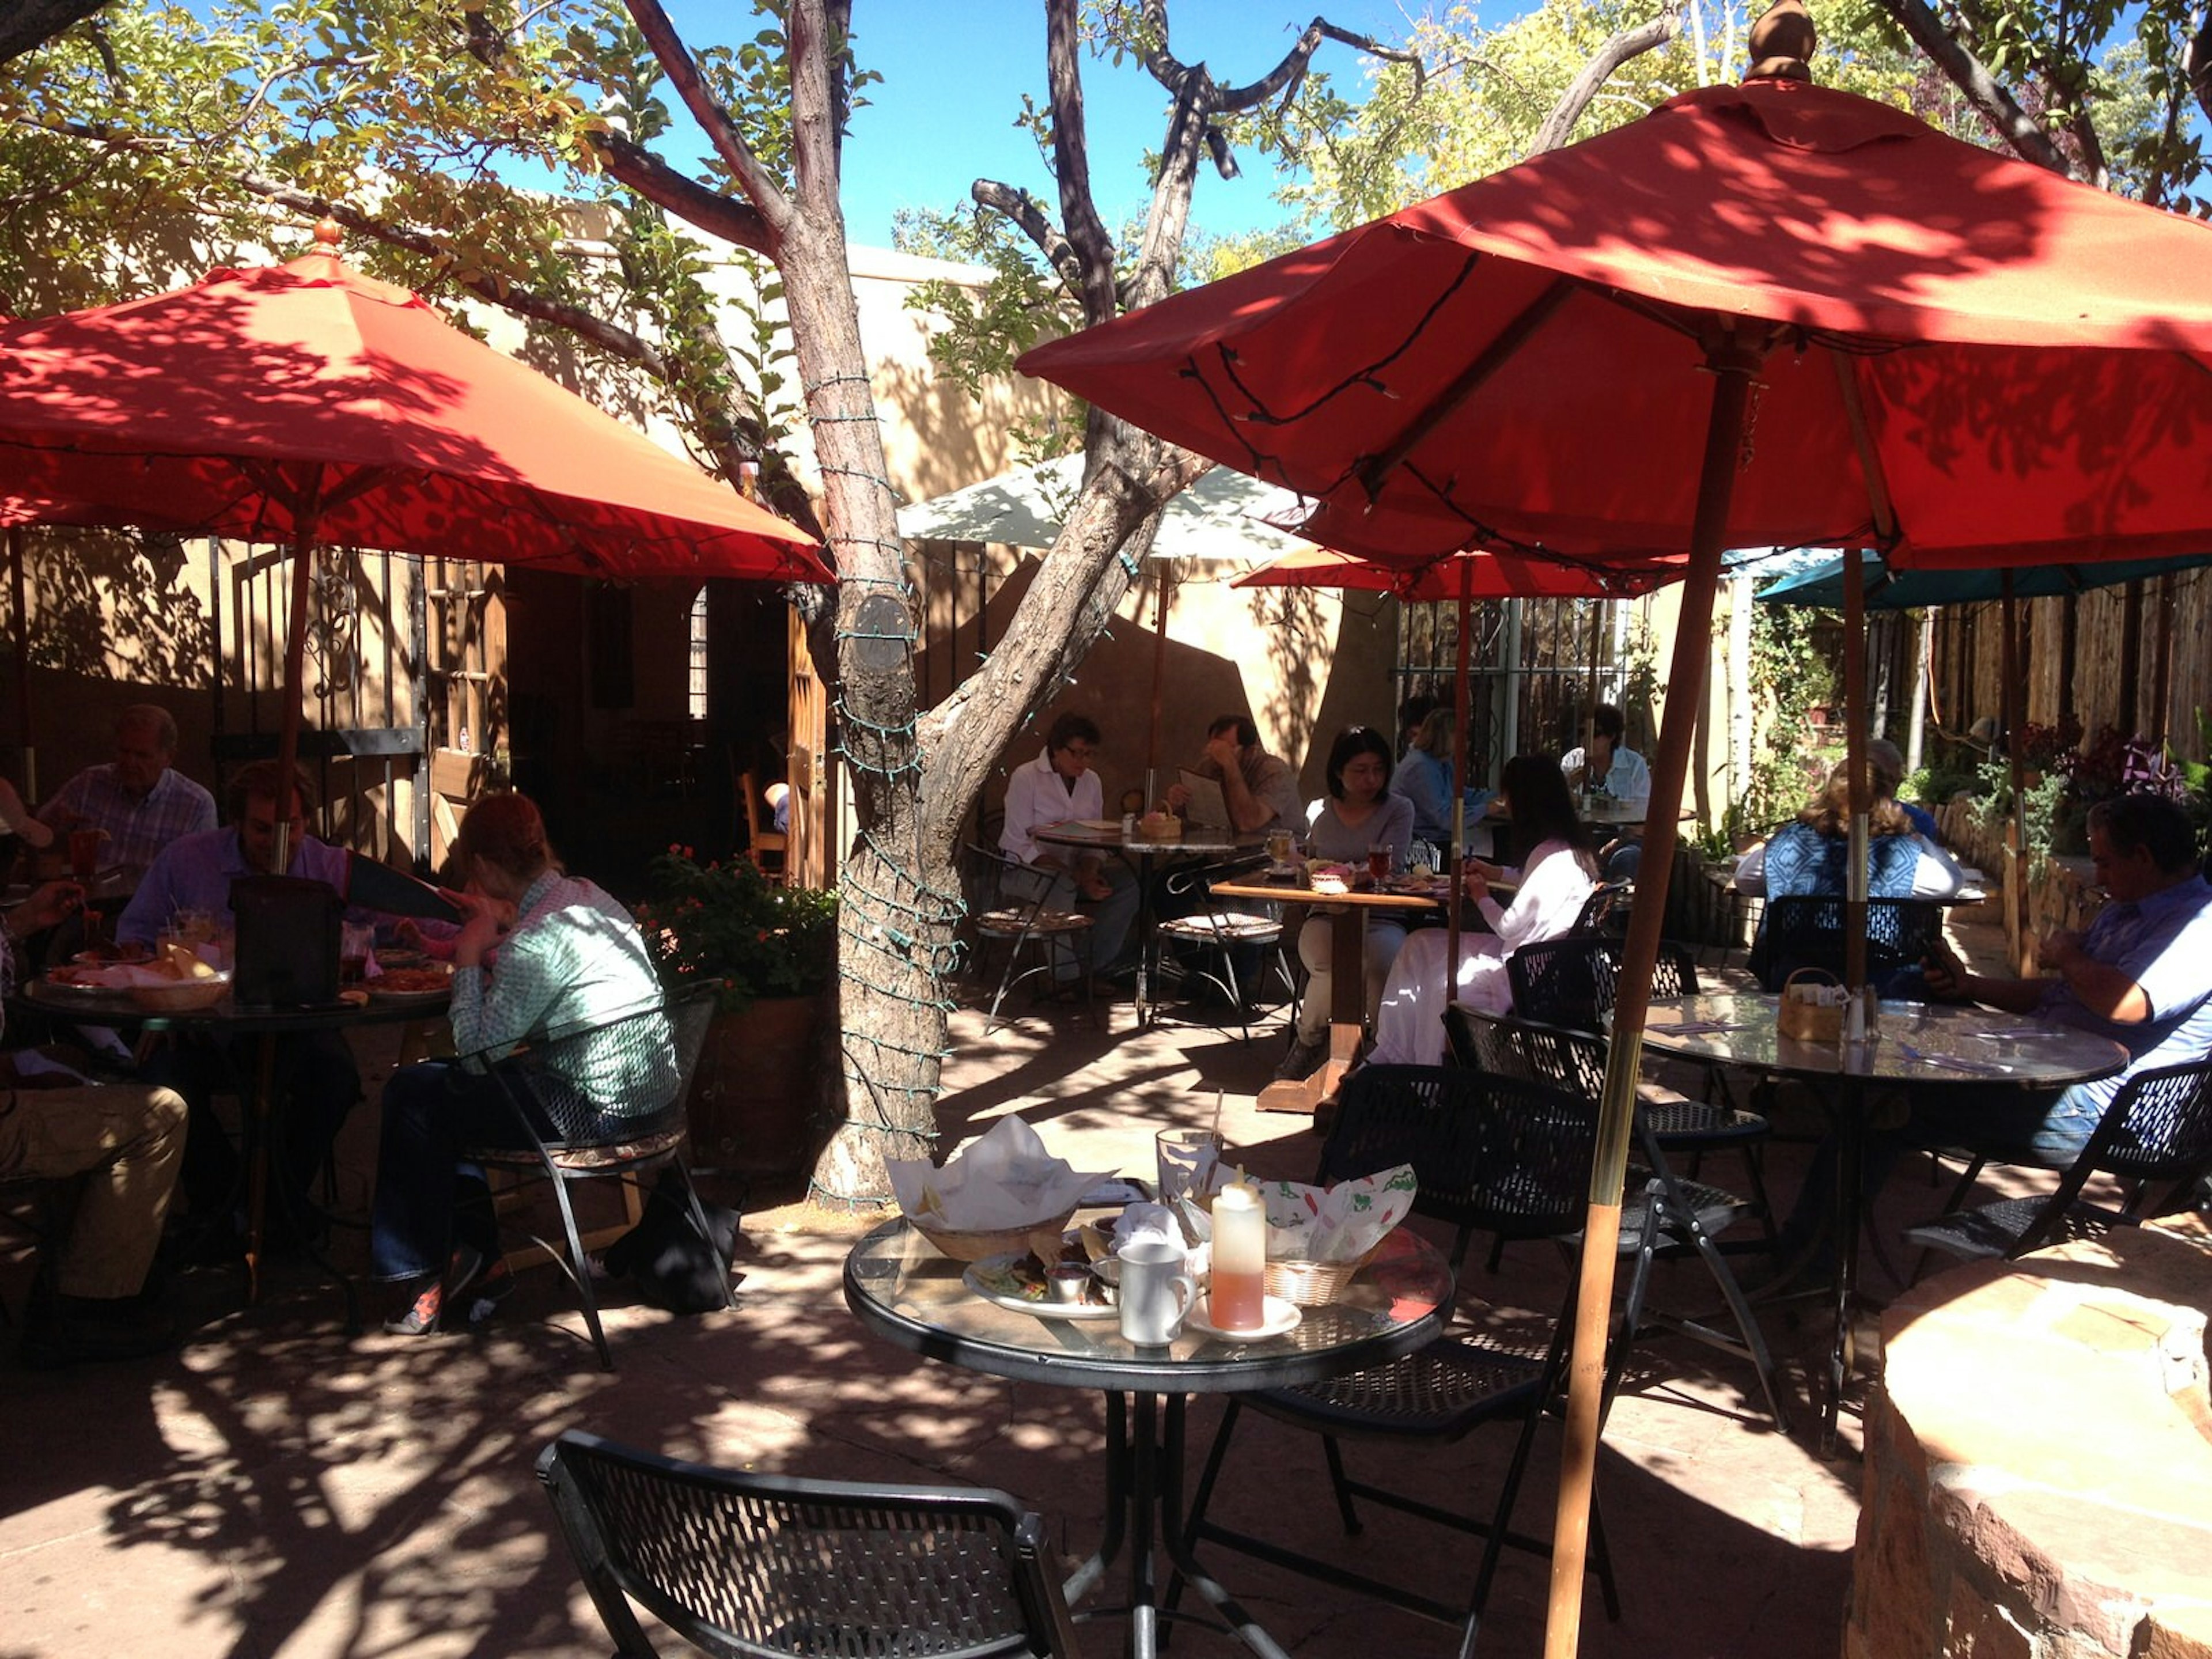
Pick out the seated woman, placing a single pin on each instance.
(1810, 858)
(1425, 778)
(573, 959)
(1555, 880)
(1360, 813)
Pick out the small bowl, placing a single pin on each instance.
(186, 996)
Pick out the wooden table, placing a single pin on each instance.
(1347, 1011)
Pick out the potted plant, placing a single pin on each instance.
(770, 954)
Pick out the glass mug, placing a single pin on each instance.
(1278, 846)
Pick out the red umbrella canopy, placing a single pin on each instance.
(1965, 359)
(307, 400)
(1473, 575)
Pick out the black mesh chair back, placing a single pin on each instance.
(613, 1095)
(1807, 931)
(1491, 1153)
(1661, 1213)
(1571, 980)
(760, 1567)
(2156, 1132)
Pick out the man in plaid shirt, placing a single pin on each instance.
(139, 798)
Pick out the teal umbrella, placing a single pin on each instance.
(1914, 590)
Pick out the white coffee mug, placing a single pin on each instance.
(1157, 1290)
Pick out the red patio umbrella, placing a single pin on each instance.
(307, 404)
(1769, 314)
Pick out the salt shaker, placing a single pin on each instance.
(1128, 826)
(1238, 1299)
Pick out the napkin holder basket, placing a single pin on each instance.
(1802, 1017)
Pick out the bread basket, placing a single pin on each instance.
(1311, 1284)
(1040, 1237)
(184, 997)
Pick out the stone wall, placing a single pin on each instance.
(2039, 1463)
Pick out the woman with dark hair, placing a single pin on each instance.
(1360, 813)
(574, 960)
(1554, 879)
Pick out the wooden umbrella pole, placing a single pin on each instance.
(2016, 830)
(1159, 678)
(22, 630)
(1732, 365)
(1855, 761)
(1462, 701)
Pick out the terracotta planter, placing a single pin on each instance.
(751, 1106)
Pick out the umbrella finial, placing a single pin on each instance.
(327, 235)
(1783, 42)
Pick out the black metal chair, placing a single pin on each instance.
(1219, 935)
(1606, 910)
(1661, 1213)
(1804, 931)
(657, 1041)
(749, 1566)
(2158, 1130)
(1490, 1154)
(1017, 916)
(1572, 981)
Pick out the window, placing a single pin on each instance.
(697, 705)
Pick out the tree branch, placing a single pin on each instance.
(1028, 214)
(1087, 236)
(718, 214)
(1966, 72)
(25, 24)
(765, 194)
(1626, 45)
(1287, 77)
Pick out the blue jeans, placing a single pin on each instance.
(427, 1196)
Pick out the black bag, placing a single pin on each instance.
(673, 1266)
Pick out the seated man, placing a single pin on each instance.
(140, 798)
(126, 1144)
(1059, 785)
(1260, 789)
(316, 1082)
(2141, 975)
(1619, 774)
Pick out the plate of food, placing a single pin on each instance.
(1017, 1280)
(410, 985)
(1330, 878)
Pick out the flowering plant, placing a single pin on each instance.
(724, 922)
(2043, 747)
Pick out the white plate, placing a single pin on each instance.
(1044, 1306)
(1279, 1318)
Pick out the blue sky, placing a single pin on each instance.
(954, 72)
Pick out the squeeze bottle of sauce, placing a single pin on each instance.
(1240, 1259)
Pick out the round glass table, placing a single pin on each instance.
(902, 1288)
(1919, 1045)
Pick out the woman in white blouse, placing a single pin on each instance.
(1554, 881)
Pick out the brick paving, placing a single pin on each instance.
(274, 1488)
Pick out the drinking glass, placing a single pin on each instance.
(1188, 1160)
(84, 854)
(1278, 847)
(1378, 864)
(356, 940)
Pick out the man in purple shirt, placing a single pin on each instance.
(317, 1081)
(139, 798)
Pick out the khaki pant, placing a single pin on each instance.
(128, 1143)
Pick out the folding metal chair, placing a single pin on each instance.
(1023, 919)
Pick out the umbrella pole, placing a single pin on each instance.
(22, 620)
(1855, 761)
(1455, 860)
(1159, 676)
(1732, 364)
(295, 665)
(2016, 831)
